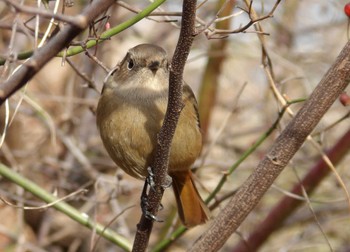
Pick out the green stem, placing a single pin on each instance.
(63, 207)
(113, 31)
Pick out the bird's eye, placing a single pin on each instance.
(130, 64)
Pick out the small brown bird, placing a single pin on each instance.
(130, 113)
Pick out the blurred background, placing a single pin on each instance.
(53, 140)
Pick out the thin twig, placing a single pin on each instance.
(244, 28)
(73, 20)
(90, 83)
(46, 205)
(95, 59)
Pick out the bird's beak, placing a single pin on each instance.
(154, 66)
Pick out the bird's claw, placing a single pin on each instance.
(144, 198)
(146, 213)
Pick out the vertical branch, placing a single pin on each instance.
(165, 136)
(284, 148)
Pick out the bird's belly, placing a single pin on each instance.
(132, 139)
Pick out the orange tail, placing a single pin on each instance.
(192, 210)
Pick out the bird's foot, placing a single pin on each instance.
(146, 212)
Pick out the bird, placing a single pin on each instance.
(129, 115)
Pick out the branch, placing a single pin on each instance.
(51, 49)
(284, 148)
(288, 205)
(161, 161)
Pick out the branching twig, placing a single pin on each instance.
(218, 32)
(73, 20)
(51, 49)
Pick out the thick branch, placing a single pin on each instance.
(288, 205)
(51, 49)
(284, 148)
(165, 136)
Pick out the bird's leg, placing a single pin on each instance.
(151, 183)
(145, 206)
(144, 196)
(150, 178)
